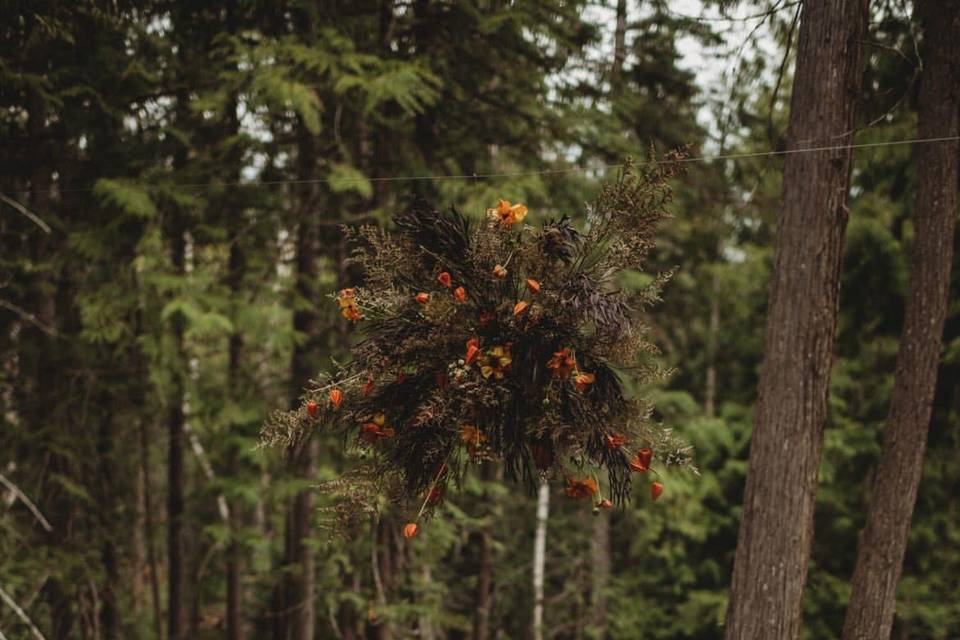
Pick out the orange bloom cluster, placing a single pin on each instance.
(506, 214)
(562, 363)
(347, 299)
(376, 429)
(581, 488)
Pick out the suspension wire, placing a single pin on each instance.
(546, 172)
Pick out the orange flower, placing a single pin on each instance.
(471, 436)
(499, 272)
(615, 441)
(520, 307)
(641, 462)
(533, 285)
(422, 298)
(410, 530)
(581, 488)
(562, 363)
(506, 214)
(473, 350)
(460, 294)
(584, 380)
(312, 409)
(336, 398)
(444, 279)
(496, 362)
(605, 504)
(656, 489)
(367, 388)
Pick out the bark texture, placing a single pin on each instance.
(894, 492)
(776, 529)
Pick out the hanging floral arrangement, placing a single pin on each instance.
(507, 339)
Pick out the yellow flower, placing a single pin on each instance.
(347, 299)
(495, 362)
(506, 214)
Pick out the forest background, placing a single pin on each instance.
(174, 179)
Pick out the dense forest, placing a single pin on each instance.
(175, 180)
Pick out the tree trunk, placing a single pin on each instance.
(483, 598)
(297, 613)
(109, 614)
(599, 574)
(175, 478)
(619, 42)
(713, 331)
(540, 557)
(894, 492)
(234, 556)
(776, 529)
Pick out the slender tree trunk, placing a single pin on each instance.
(109, 615)
(234, 555)
(483, 600)
(713, 330)
(894, 492)
(298, 612)
(619, 42)
(236, 267)
(148, 524)
(776, 529)
(540, 557)
(175, 475)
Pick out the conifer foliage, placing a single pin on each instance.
(505, 339)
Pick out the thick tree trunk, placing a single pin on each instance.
(776, 529)
(894, 492)
(540, 557)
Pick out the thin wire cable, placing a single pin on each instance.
(516, 174)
